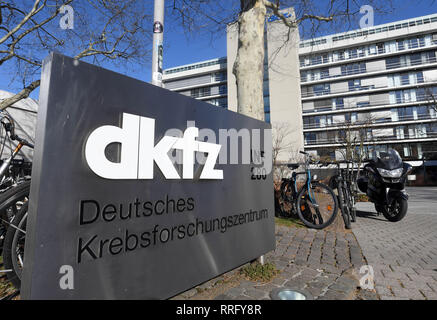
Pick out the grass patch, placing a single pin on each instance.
(361, 197)
(6, 288)
(289, 222)
(257, 272)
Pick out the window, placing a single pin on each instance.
(310, 138)
(380, 48)
(324, 73)
(354, 85)
(416, 59)
(413, 43)
(430, 57)
(422, 112)
(223, 89)
(220, 76)
(316, 60)
(339, 103)
(267, 117)
(405, 79)
(392, 63)
(419, 77)
(405, 114)
(201, 92)
(401, 45)
(325, 58)
(266, 104)
(399, 97)
(321, 89)
(266, 90)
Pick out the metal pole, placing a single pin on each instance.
(158, 30)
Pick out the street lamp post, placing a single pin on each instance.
(158, 30)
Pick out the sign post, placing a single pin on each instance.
(157, 55)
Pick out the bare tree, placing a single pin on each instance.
(98, 31)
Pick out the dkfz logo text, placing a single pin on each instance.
(139, 152)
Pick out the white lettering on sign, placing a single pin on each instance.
(139, 152)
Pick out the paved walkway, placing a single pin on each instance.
(324, 264)
(402, 254)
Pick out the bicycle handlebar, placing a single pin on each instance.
(10, 127)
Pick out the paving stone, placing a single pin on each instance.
(235, 292)
(394, 298)
(255, 293)
(223, 297)
(383, 291)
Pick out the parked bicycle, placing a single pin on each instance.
(344, 183)
(14, 193)
(315, 203)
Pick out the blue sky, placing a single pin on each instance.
(179, 48)
(179, 51)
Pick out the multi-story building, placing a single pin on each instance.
(206, 80)
(376, 85)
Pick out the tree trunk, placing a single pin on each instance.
(249, 63)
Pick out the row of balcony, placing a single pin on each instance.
(368, 122)
(361, 68)
(370, 140)
(368, 51)
(354, 86)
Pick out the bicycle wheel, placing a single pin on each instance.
(11, 201)
(343, 206)
(317, 207)
(13, 247)
(286, 202)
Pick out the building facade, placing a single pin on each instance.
(375, 86)
(206, 81)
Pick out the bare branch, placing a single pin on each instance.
(23, 94)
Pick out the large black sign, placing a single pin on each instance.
(120, 208)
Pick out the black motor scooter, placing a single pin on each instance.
(383, 180)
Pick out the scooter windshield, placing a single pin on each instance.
(389, 160)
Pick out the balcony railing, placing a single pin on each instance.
(389, 66)
(420, 99)
(355, 88)
(366, 53)
(361, 123)
(427, 135)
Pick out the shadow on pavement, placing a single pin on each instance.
(370, 215)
